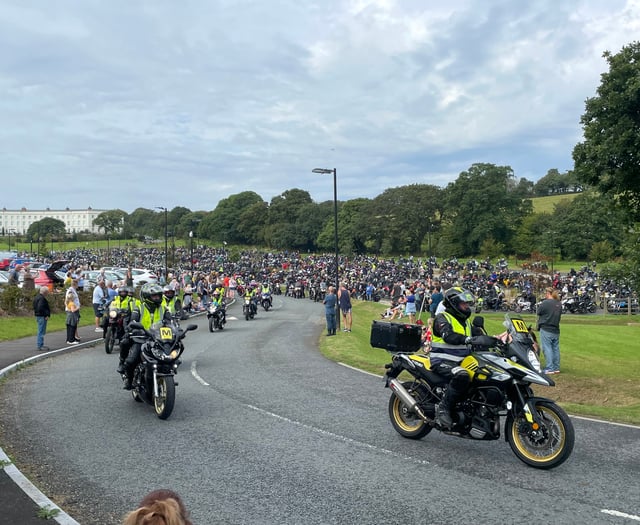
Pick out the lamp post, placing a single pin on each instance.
(326, 171)
(166, 234)
(191, 257)
(9, 232)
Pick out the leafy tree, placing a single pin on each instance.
(533, 230)
(609, 156)
(482, 204)
(222, 223)
(251, 223)
(47, 227)
(587, 219)
(110, 221)
(142, 221)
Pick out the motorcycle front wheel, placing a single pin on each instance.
(545, 447)
(405, 421)
(109, 340)
(212, 325)
(166, 398)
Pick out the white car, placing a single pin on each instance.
(141, 276)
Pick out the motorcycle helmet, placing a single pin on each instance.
(123, 292)
(169, 292)
(459, 302)
(151, 294)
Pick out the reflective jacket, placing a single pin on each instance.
(440, 350)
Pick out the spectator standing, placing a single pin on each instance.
(330, 303)
(72, 307)
(344, 300)
(42, 312)
(410, 305)
(14, 275)
(549, 314)
(369, 291)
(100, 295)
(436, 299)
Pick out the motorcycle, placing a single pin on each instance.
(266, 301)
(153, 377)
(216, 314)
(538, 431)
(249, 308)
(114, 332)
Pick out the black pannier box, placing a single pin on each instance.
(396, 337)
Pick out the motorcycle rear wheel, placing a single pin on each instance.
(109, 340)
(166, 398)
(406, 422)
(547, 447)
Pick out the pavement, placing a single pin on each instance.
(21, 500)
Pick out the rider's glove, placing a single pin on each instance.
(481, 340)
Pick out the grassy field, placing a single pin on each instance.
(546, 204)
(600, 360)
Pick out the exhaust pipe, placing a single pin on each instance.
(400, 391)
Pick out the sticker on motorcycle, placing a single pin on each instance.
(166, 333)
(520, 326)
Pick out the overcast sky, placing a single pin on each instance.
(127, 104)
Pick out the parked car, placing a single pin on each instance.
(47, 276)
(141, 276)
(4, 277)
(91, 277)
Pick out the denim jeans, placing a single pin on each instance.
(331, 322)
(551, 348)
(42, 329)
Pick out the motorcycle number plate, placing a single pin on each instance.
(520, 326)
(166, 333)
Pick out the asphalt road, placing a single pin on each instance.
(267, 431)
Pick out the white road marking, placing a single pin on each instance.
(195, 374)
(621, 514)
(337, 436)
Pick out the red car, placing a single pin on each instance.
(48, 276)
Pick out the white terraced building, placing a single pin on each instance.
(17, 222)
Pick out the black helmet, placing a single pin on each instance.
(123, 292)
(151, 294)
(459, 302)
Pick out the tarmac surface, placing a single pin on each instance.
(20, 500)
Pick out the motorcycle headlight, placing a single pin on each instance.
(113, 314)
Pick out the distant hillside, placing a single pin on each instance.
(546, 204)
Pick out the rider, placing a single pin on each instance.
(265, 290)
(124, 301)
(251, 293)
(148, 311)
(217, 299)
(169, 300)
(453, 336)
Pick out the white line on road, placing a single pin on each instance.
(195, 374)
(621, 514)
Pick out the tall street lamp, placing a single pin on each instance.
(326, 171)
(10, 232)
(166, 240)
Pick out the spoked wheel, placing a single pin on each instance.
(406, 422)
(109, 340)
(547, 446)
(166, 398)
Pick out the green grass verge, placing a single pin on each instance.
(600, 360)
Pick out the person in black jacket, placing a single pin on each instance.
(42, 312)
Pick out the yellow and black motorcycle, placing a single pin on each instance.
(539, 432)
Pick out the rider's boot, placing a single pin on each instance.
(456, 391)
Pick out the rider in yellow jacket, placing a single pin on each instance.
(453, 337)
